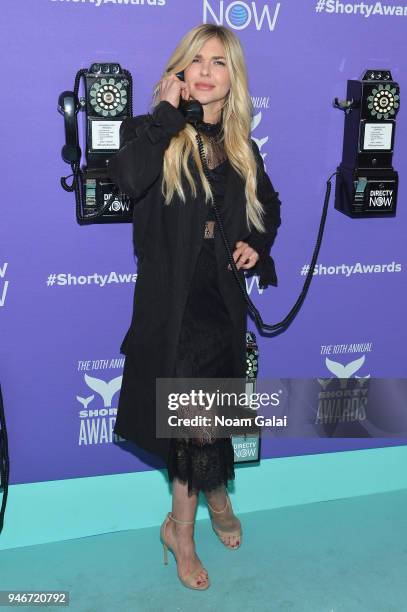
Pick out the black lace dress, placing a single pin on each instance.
(205, 343)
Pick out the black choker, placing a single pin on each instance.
(211, 129)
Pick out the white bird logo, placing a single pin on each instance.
(85, 400)
(105, 389)
(344, 371)
(260, 142)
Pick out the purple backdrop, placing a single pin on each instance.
(300, 55)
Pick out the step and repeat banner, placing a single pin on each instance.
(66, 290)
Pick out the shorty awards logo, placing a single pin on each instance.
(239, 15)
(97, 414)
(343, 399)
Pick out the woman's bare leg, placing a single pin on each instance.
(181, 537)
(226, 521)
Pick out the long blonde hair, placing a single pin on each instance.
(237, 114)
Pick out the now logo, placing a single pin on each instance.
(117, 205)
(244, 453)
(239, 15)
(379, 201)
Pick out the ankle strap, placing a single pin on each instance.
(180, 522)
(220, 511)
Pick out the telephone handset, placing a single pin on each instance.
(107, 101)
(193, 112)
(191, 109)
(68, 101)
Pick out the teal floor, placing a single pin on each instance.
(345, 555)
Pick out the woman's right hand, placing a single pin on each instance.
(172, 89)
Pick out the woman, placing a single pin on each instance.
(189, 316)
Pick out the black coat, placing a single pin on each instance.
(167, 240)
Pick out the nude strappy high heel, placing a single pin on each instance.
(191, 579)
(224, 534)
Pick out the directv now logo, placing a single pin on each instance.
(381, 197)
(239, 15)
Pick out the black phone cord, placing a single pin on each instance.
(251, 307)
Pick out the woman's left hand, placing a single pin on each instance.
(244, 256)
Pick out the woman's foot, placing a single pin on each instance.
(180, 540)
(224, 522)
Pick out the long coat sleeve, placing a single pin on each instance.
(143, 141)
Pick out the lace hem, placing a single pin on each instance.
(202, 466)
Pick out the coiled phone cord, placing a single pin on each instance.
(251, 307)
(77, 181)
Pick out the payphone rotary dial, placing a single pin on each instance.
(383, 102)
(108, 98)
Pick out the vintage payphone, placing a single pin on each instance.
(106, 102)
(367, 184)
